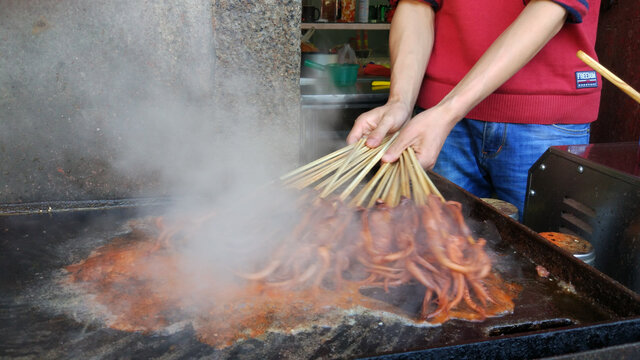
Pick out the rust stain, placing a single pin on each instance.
(40, 26)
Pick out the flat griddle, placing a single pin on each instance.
(576, 309)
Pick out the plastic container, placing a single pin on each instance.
(348, 13)
(343, 74)
(363, 11)
(340, 74)
(328, 11)
(322, 59)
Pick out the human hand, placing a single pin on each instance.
(426, 134)
(377, 123)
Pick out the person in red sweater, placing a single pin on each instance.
(497, 83)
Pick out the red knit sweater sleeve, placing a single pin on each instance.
(576, 9)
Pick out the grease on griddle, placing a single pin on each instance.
(138, 279)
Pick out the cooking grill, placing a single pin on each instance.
(576, 309)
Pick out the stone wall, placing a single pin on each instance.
(118, 99)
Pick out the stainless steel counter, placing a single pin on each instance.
(328, 112)
(322, 91)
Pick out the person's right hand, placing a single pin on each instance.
(377, 123)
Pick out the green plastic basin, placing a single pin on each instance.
(343, 74)
(340, 74)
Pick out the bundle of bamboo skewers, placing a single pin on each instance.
(345, 169)
(385, 227)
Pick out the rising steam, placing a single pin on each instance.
(99, 106)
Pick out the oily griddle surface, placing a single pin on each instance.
(39, 319)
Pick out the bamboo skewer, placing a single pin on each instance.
(397, 186)
(318, 161)
(626, 88)
(387, 184)
(404, 181)
(424, 179)
(392, 189)
(433, 187)
(351, 164)
(336, 181)
(362, 195)
(414, 163)
(363, 154)
(312, 175)
(381, 150)
(418, 193)
(348, 175)
(316, 172)
(376, 194)
(358, 145)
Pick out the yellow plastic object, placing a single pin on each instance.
(380, 85)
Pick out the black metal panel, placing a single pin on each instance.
(571, 194)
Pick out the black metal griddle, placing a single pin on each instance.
(38, 240)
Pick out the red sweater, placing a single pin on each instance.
(554, 87)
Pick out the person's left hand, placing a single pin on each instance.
(425, 133)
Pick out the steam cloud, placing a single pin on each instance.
(128, 103)
(120, 98)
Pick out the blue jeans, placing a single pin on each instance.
(493, 159)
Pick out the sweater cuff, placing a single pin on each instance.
(576, 9)
(434, 3)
